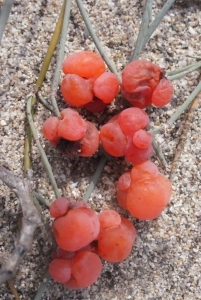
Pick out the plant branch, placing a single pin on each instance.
(185, 72)
(143, 30)
(92, 32)
(30, 221)
(4, 15)
(40, 148)
(60, 57)
(179, 70)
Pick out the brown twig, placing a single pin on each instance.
(182, 139)
(13, 289)
(30, 221)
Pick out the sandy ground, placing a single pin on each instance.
(165, 261)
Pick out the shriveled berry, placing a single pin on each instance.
(96, 105)
(85, 64)
(141, 98)
(90, 141)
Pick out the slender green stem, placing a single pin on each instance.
(42, 287)
(179, 70)
(5, 15)
(179, 111)
(100, 48)
(184, 73)
(95, 178)
(41, 199)
(45, 103)
(60, 57)
(40, 148)
(159, 152)
(143, 30)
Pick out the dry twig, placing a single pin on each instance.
(31, 220)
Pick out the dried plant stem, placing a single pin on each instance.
(182, 140)
(30, 221)
(60, 57)
(100, 48)
(185, 72)
(143, 30)
(7, 5)
(13, 289)
(44, 68)
(95, 178)
(40, 148)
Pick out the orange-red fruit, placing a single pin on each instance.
(90, 142)
(133, 119)
(140, 73)
(72, 127)
(163, 93)
(76, 90)
(50, 128)
(109, 218)
(145, 170)
(141, 98)
(85, 64)
(86, 268)
(60, 269)
(106, 87)
(137, 155)
(115, 243)
(124, 181)
(113, 139)
(59, 207)
(121, 198)
(142, 139)
(147, 198)
(76, 229)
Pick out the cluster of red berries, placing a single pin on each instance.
(82, 237)
(143, 84)
(87, 83)
(124, 135)
(72, 134)
(143, 191)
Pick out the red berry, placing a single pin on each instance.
(142, 139)
(76, 90)
(85, 64)
(96, 105)
(59, 207)
(106, 87)
(72, 127)
(109, 218)
(163, 93)
(50, 128)
(141, 98)
(124, 181)
(145, 170)
(90, 141)
(60, 269)
(121, 198)
(137, 155)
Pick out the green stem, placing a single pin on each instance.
(143, 30)
(100, 48)
(45, 103)
(179, 70)
(4, 16)
(40, 148)
(185, 72)
(41, 199)
(159, 152)
(60, 57)
(95, 178)
(157, 20)
(43, 286)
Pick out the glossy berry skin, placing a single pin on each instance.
(50, 128)
(163, 93)
(72, 127)
(106, 87)
(60, 269)
(142, 139)
(109, 218)
(84, 64)
(132, 119)
(115, 243)
(140, 73)
(145, 170)
(76, 229)
(76, 90)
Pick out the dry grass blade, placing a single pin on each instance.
(182, 140)
(30, 221)
(13, 289)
